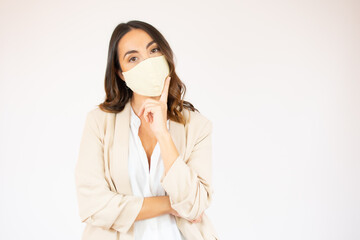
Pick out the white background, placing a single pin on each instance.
(279, 79)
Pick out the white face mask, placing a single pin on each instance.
(148, 77)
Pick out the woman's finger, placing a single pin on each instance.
(164, 94)
(146, 103)
(149, 111)
(199, 218)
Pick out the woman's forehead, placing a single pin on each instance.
(134, 39)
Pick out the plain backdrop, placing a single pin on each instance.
(279, 79)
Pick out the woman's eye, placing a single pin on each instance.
(131, 58)
(158, 49)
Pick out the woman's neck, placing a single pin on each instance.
(137, 101)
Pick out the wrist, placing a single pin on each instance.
(168, 207)
(163, 136)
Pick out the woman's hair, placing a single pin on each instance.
(118, 94)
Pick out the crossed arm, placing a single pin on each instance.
(188, 185)
(156, 206)
(153, 207)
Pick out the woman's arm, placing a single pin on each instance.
(169, 153)
(98, 205)
(188, 183)
(154, 206)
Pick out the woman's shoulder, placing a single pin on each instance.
(96, 114)
(196, 120)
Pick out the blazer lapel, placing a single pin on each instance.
(120, 147)
(120, 151)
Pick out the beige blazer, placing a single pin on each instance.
(103, 189)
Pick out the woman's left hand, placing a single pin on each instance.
(155, 111)
(197, 220)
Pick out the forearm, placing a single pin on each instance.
(153, 207)
(169, 153)
(188, 181)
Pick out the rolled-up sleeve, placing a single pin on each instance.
(188, 184)
(97, 204)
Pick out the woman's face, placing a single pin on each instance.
(134, 47)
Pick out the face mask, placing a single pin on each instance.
(148, 77)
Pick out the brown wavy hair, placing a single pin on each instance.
(118, 94)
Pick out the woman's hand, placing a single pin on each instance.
(155, 111)
(175, 213)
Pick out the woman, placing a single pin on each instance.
(144, 166)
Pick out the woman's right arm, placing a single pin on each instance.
(154, 206)
(97, 204)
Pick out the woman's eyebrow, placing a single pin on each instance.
(133, 51)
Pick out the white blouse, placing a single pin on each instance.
(147, 184)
